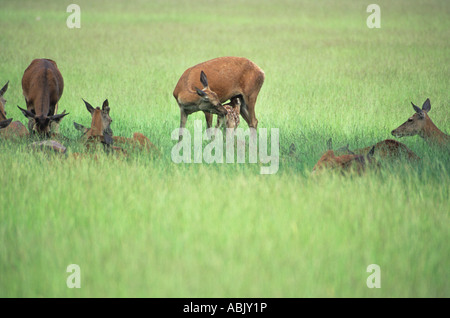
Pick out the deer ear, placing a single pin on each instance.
(3, 90)
(88, 106)
(348, 150)
(26, 113)
(200, 92)
(78, 126)
(59, 117)
(5, 123)
(426, 106)
(105, 106)
(417, 109)
(203, 79)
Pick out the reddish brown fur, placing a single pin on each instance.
(228, 77)
(96, 129)
(343, 163)
(42, 85)
(421, 124)
(95, 134)
(388, 150)
(14, 130)
(139, 140)
(100, 125)
(231, 119)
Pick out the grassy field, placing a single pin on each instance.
(147, 227)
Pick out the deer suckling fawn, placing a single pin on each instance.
(421, 124)
(222, 79)
(9, 129)
(231, 119)
(42, 85)
(344, 163)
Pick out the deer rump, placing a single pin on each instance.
(42, 85)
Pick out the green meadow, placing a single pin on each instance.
(144, 226)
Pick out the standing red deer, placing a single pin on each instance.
(42, 85)
(222, 78)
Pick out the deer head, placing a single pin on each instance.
(416, 123)
(42, 124)
(209, 101)
(104, 114)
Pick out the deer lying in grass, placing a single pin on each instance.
(42, 85)
(421, 124)
(99, 131)
(344, 163)
(9, 129)
(387, 150)
(138, 140)
(222, 79)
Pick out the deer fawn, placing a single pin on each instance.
(387, 150)
(231, 119)
(421, 124)
(222, 78)
(42, 85)
(344, 163)
(101, 127)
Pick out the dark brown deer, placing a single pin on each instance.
(222, 79)
(421, 124)
(42, 86)
(344, 163)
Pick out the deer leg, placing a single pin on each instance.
(251, 111)
(183, 119)
(209, 118)
(244, 112)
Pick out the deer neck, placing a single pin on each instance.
(431, 134)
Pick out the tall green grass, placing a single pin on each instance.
(146, 227)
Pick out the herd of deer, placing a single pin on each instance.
(43, 85)
(233, 79)
(387, 150)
